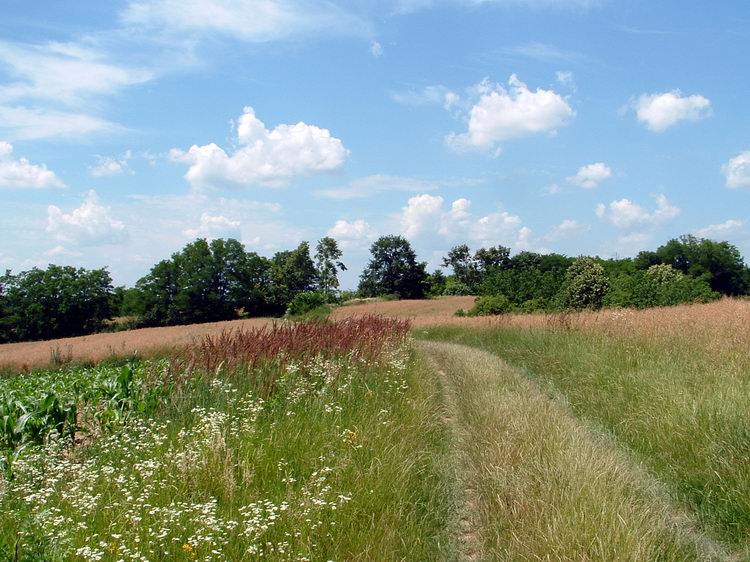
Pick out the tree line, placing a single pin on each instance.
(217, 280)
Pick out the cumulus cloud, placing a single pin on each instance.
(22, 174)
(91, 224)
(376, 49)
(247, 20)
(215, 226)
(264, 157)
(111, 166)
(425, 216)
(737, 170)
(354, 234)
(661, 111)
(624, 213)
(502, 115)
(591, 175)
(720, 230)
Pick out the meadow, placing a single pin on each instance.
(410, 435)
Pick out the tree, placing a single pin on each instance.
(464, 267)
(327, 264)
(205, 282)
(393, 269)
(292, 272)
(489, 259)
(585, 285)
(719, 263)
(53, 303)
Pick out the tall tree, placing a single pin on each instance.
(54, 302)
(464, 266)
(292, 272)
(327, 265)
(393, 269)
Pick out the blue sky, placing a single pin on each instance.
(128, 129)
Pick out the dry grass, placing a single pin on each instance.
(420, 312)
(26, 356)
(723, 325)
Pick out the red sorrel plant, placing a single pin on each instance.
(264, 352)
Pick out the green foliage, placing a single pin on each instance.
(437, 282)
(53, 303)
(719, 263)
(203, 282)
(393, 269)
(490, 306)
(456, 288)
(659, 285)
(526, 277)
(302, 303)
(292, 272)
(327, 264)
(585, 285)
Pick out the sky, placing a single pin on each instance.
(598, 127)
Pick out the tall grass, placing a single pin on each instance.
(672, 391)
(342, 457)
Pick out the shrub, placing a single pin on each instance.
(585, 286)
(302, 303)
(490, 306)
(456, 289)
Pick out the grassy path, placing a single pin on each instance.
(539, 484)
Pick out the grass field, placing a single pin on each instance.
(615, 435)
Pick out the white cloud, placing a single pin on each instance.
(215, 226)
(720, 230)
(737, 170)
(566, 79)
(591, 175)
(662, 110)
(378, 183)
(43, 77)
(111, 166)
(421, 212)
(552, 189)
(430, 95)
(62, 72)
(91, 224)
(623, 213)
(22, 174)
(376, 49)
(246, 20)
(38, 123)
(565, 228)
(264, 157)
(502, 114)
(354, 234)
(424, 216)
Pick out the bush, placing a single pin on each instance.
(456, 289)
(659, 285)
(585, 286)
(302, 303)
(490, 306)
